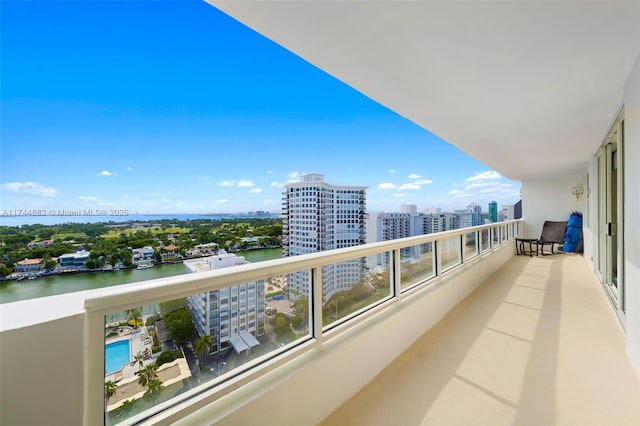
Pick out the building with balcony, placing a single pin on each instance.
(547, 93)
(229, 312)
(29, 265)
(143, 254)
(75, 260)
(318, 216)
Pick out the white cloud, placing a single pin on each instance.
(106, 173)
(84, 198)
(245, 183)
(269, 172)
(294, 175)
(129, 168)
(423, 182)
(488, 175)
(387, 185)
(456, 193)
(228, 183)
(32, 188)
(276, 184)
(414, 176)
(392, 171)
(223, 201)
(408, 187)
(255, 190)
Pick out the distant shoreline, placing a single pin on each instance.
(59, 220)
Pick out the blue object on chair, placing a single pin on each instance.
(572, 235)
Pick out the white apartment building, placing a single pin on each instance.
(228, 314)
(408, 223)
(318, 216)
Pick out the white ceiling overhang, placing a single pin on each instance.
(529, 88)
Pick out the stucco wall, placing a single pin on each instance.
(549, 199)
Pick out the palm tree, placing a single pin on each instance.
(204, 345)
(148, 373)
(154, 387)
(127, 406)
(110, 388)
(137, 359)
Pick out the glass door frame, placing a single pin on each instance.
(608, 252)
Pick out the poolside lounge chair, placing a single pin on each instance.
(552, 234)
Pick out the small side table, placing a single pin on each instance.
(521, 248)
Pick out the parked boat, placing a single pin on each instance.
(145, 266)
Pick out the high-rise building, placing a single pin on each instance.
(229, 315)
(318, 216)
(506, 213)
(408, 223)
(493, 211)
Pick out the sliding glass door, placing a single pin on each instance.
(609, 211)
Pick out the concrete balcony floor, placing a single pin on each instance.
(536, 344)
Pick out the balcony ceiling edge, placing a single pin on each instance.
(528, 88)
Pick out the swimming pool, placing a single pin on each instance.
(116, 355)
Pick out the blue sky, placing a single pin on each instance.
(173, 107)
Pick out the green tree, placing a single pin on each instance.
(180, 324)
(147, 373)
(138, 359)
(282, 326)
(50, 264)
(168, 356)
(110, 388)
(154, 387)
(91, 264)
(204, 345)
(125, 409)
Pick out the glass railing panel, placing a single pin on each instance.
(485, 242)
(450, 252)
(470, 245)
(351, 286)
(495, 232)
(416, 265)
(155, 353)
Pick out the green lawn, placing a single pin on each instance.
(115, 233)
(74, 235)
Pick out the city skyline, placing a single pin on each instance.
(175, 108)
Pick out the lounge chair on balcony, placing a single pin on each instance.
(552, 233)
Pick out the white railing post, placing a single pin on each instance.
(396, 279)
(316, 304)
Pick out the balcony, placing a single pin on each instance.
(518, 338)
(68, 330)
(535, 344)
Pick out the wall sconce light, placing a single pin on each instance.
(578, 191)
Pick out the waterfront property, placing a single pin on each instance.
(29, 265)
(73, 261)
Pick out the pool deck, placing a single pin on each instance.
(138, 344)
